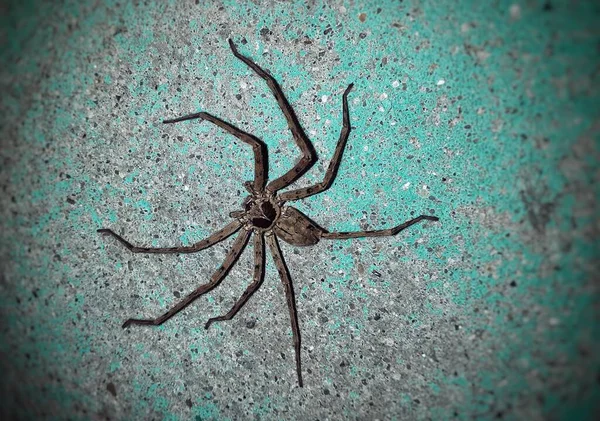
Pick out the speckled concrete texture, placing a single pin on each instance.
(482, 113)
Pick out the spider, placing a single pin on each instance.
(265, 213)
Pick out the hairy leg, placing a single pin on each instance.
(213, 239)
(377, 233)
(258, 146)
(259, 275)
(335, 161)
(309, 156)
(232, 257)
(290, 298)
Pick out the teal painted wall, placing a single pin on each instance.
(484, 114)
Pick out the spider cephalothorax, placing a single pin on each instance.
(265, 215)
(264, 212)
(260, 212)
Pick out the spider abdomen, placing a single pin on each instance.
(297, 229)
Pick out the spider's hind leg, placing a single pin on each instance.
(232, 257)
(290, 298)
(259, 274)
(377, 233)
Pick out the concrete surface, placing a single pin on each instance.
(482, 113)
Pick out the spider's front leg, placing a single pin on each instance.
(215, 280)
(213, 239)
(335, 161)
(309, 156)
(258, 146)
(259, 275)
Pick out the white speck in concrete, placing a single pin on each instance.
(415, 142)
(515, 11)
(395, 84)
(406, 185)
(440, 82)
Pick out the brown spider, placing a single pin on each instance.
(265, 214)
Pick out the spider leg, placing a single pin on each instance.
(213, 239)
(289, 294)
(309, 156)
(335, 161)
(258, 146)
(232, 256)
(376, 233)
(259, 274)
